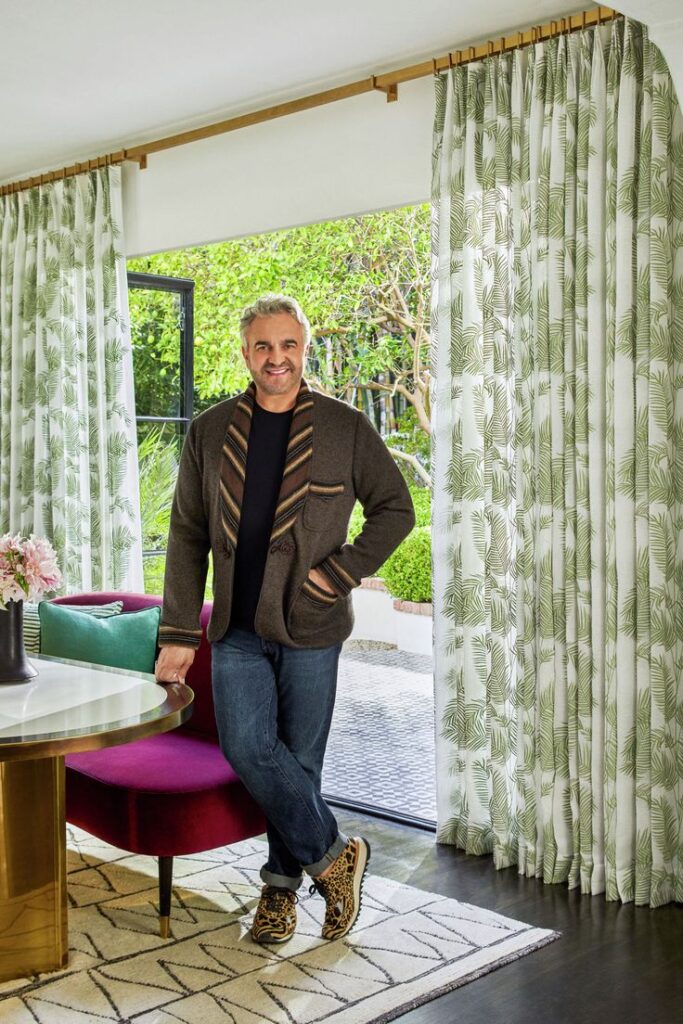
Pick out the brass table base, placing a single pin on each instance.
(33, 909)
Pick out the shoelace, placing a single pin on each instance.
(330, 912)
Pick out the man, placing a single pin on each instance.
(267, 482)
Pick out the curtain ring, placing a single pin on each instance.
(502, 44)
(450, 60)
(435, 70)
(458, 54)
(471, 54)
(489, 48)
(583, 21)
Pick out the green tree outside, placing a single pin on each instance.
(364, 285)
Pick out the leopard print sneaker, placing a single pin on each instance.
(342, 887)
(275, 917)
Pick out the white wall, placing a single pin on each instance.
(346, 158)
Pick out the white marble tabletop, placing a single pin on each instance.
(70, 699)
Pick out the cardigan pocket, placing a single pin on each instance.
(317, 623)
(318, 595)
(322, 502)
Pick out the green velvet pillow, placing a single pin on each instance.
(123, 641)
(32, 619)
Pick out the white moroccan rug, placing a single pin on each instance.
(407, 947)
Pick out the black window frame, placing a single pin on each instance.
(184, 287)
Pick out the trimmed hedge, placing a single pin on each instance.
(355, 522)
(422, 500)
(407, 573)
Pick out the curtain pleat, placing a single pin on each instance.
(68, 453)
(558, 455)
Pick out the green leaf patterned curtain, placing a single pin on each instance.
(68, 454)
(558, 452)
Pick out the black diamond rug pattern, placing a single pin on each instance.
(407, 947)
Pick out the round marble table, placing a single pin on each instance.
(69, 706)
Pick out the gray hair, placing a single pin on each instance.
(270, 305)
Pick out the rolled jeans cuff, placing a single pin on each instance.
(330, 855)
(280, 881)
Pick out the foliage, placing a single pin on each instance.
(153, 569)
(409, 437)
(422, 501)
(356, 522)
(158, 460)
(407, 573)
(158, 467)
(155, 338)
(362, 281)
(408, 570)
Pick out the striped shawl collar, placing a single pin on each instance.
(296, 477)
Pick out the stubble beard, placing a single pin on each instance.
(278, 385)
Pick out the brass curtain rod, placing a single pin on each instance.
(387, 83)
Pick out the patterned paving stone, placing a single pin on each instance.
(381, 746)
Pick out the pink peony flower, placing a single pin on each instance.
(28, 568)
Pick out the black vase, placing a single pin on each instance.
(14, 665)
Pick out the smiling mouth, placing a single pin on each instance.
(279, 373)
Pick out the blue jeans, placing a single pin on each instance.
(273, 708)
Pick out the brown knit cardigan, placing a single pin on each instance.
(334, 456)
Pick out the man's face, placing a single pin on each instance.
(275, 353)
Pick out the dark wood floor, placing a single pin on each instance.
(614, 964)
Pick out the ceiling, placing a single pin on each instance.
(88, 77)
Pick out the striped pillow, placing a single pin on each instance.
(32, 619)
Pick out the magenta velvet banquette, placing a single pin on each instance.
(164, 795)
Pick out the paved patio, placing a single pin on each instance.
(381, 747)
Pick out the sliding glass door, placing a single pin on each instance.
(161, 310)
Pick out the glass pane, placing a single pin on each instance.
(159, 447)
(156, 335)
(203, 402)
(153, 568)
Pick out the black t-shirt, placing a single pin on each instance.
(266, 457)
